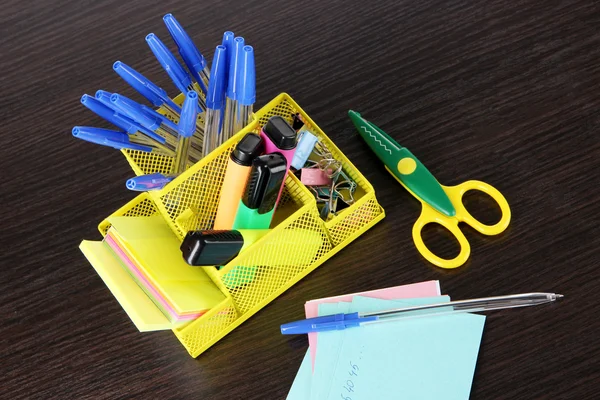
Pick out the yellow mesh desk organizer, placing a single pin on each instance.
(300, 241)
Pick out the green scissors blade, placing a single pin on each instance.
(404, 166)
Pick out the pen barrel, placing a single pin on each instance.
(234, 183)
(157, 147)
(181, 156)
(174, 113)
(205, 76)
(201, 103)
(212, 131)
(228, 118)
(242, 117)
(165, 131)
(170, 146)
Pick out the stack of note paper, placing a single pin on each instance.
(424, 358)
(147, 250)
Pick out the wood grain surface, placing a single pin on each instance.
(507, 92)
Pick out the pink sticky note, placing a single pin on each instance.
(173, 315)
(421, 289)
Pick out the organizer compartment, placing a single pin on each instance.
(205, 331)
(299, 242)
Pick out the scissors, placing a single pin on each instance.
(441, 204)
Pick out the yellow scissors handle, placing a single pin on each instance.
(431, 216)
(456, 193)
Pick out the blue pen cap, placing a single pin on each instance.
(245, 81)
(189, 114)
(325, 323)
(145, 116)
(228, 43)
(178, 75)
(162, 120)
(134, 111)
(103, 96)
(238, 46)
(153, 93)
(216, 87)
(148, 182)
(190, 54)
(107, 113)
(107, 137)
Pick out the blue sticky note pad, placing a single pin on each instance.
(330, 344)
(422, 358)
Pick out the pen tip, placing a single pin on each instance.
(559, 296)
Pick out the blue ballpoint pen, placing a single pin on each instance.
(118, 119)
(180, 77)
(245, 91)
(153, 93)
(144, 183)
(343, 321)
(108, 113)
(190, 54)
(215, 102)
(104, 97)
(231, 100)
(187, 125)
(115, 139)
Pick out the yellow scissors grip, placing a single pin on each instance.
(429, 216)
(456, 193)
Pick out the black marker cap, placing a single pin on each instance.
(267, 176)
(247, 149)
(281, 133)
(211, 248)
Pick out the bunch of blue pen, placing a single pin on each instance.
(218, 103)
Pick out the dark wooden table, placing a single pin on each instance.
(507, 92)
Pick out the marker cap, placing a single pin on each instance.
(280, 132)
(247, 149)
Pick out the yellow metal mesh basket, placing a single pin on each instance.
(299, 242)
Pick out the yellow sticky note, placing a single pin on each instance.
(140, 309)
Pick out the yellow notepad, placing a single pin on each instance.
(140, 309)
(156, 251)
